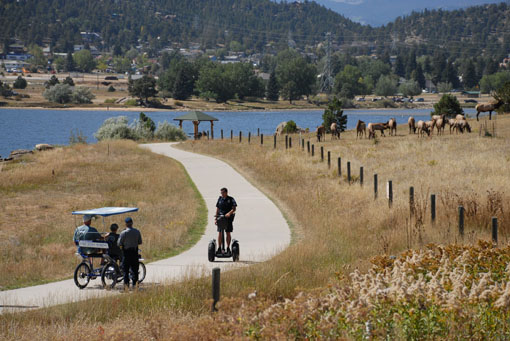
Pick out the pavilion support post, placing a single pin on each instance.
(180, 124)
(212, 130)
(195, 124)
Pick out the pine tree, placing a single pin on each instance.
(183, 86)
(418, 76)
(272, 89)
(69, 65)
(469, 77)
(334, 113)
(410, 64)
(399, 67)
(491, 67)
(451, 75)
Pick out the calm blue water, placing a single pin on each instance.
(24, 128)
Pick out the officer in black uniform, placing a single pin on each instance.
(225, 206)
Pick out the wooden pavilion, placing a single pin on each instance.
(196, 117)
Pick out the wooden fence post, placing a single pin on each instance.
(258, 131)
(261, 139)
(286, 141)
(222, 134)
(390, 193)
(375, 186)
(249, 137)
(215, 287)
(322, 153)
(302, 144)
(329, 159)
(411, 201)
(240, 136)
(339, 161)
(290, 142)
(349, 172)
(494, 230)
(433, 208)
(361, 176)
(308, 146)
(313, 150)
(231, 135)
(461, 221)
(274, 141)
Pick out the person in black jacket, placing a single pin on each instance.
(225, 206)
(112, 238)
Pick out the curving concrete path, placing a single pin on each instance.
(259, 226)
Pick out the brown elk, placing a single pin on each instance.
(412, 125)
(487, 107)
(422, 128)
(335, 132)
(372, 127)
(320, 133)
(361, 129)
(392, 124)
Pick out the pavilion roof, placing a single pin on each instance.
(195, 116)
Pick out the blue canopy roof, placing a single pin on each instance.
(107, 211)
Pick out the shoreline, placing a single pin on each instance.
(140, 109)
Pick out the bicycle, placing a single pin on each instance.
(112, 273)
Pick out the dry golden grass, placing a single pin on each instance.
(337, 227)
(39, 193)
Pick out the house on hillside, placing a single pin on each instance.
(13, 65)
(18, 56)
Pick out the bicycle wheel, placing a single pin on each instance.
(141, 272)
(110, 275)
(82, 275)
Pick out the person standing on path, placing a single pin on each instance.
(128, 241)
(225, 206)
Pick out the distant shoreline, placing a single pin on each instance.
(131, 109)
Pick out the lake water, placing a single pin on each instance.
(24, 128)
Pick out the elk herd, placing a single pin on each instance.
(459, 124)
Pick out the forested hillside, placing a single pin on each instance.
(253, 23)
(464, 33)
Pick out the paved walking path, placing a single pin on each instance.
(259, 226)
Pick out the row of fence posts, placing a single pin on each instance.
(310, 148)
(389, 189)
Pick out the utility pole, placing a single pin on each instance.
(327, 81)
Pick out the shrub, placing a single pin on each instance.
(169, 132)
(449, 105)
(115, 128)
(131, 102)
(178, 103)
(290, 127)
(51, 82)
(111, 88)
(59, 93)
(82, 96)
(110, 100)
(69, 81)
(20, 83)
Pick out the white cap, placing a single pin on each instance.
(87, 217)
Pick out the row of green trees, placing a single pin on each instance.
(292, 78)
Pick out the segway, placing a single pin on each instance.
(211, 251)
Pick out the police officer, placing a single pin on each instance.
(129, 240)
(225, 206)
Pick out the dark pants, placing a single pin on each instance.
(130, 262)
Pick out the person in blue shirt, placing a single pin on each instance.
(226, 206)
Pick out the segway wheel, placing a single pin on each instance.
(211, 252)
(235, 252)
